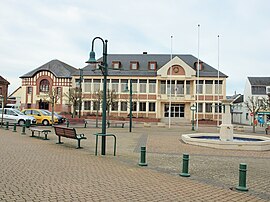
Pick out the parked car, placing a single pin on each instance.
(15, 116)
(41, 116)
(60, 118)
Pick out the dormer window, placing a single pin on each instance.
(116, 64)
(134, 65)
(268, 90)
(152, 65)
(200, 66)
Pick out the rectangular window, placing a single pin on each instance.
(29, 90)
(87, 85)
(163, 87)
(208, 107)
(87, 105)
(172, 89)
(58, 91)
(115, 85)
(115, 106)
(116, 64)
(142, 85)
(134, 65)
(124, 85)
(218, 87)
(142, 106)
(208, 87)
(96, 105)
(77, 83)
(199, 87)
(200, 107)
(152, 65)
(134, 85)
(152, 86)
(152, 106)
(134, 106)
(218, 107)
(96, 84)
(124, 106)
(180, 88)
(187, 87)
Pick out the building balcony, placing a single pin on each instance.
(180, 97)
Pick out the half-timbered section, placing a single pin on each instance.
(51, 80)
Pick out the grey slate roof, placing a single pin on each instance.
(259, 81)
(143, 59)
(57, 67)
(3, 81)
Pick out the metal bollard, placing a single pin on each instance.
(85, 124)
(143, 157)
(23, 130)
(185, 166)
(14, 127)
(242, 177)
(67, 123)
(7, 124)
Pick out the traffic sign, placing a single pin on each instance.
(193, 108)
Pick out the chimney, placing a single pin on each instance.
(144, 53)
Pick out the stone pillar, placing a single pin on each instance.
(226, 128)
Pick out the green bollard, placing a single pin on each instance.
(185, 166)
(7, 124)
(23, 130)
(143, 157)
(14, 127)
(242, 177)
(67, 123)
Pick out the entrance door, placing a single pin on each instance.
(177, 110)
(44, 105)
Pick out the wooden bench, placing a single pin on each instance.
(105, 135)
(116, 123)
(267, 129)
(68, 133)
(76, 122)
(39, 130)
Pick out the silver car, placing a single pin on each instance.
(15, 116)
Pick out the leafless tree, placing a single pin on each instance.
(73, 96)
(254, 105)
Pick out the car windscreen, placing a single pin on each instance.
(18, 112)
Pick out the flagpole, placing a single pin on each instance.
(218, 85)
(170, 101)
(198, 75)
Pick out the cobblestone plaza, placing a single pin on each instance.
(33, 169)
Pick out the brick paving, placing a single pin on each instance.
(33, 169)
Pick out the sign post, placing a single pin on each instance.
(193, 108)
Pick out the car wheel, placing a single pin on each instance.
(21, 122)
(45, 122)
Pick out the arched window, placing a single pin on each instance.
(44, 86)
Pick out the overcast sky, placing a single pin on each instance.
(33, 32)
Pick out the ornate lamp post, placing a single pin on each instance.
(104, 69)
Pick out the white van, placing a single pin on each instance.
(13, 106)
(15, 116)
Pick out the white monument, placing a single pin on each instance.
(226, 128)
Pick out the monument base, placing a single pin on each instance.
(226, 132)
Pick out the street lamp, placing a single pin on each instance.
(104, 69)
(130, 105)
